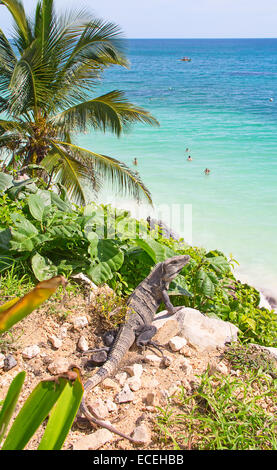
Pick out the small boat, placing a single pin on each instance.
(186, 59)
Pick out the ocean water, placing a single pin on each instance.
(222, 106)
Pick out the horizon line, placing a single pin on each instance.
(207, 38)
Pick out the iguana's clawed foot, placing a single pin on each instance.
(174, 310)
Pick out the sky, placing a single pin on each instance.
(177, 18)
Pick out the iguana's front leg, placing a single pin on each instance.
(169, 307)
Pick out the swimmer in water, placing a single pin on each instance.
(135, 162)
(189, 159)
(207, 171)
(187, 149)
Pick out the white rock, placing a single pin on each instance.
(55, 341)
(63, 332)
(79, 322)
(31, 351)
(141, 434)
(200, 331)
(121, 377)
(111, 406)
(58, 366)
(186, 366)
(272, 350)
(177, 342)
(83, 344)
(125, 395)
(110, 384)
(2, 357)
(218, 367)
(93, 441)
(153, 359)
(135, 370)
(100, 408)
(134, 383)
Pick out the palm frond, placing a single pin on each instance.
(110, 111)
(122, 178)
(21, 23)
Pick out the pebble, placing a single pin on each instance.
(83, 344)
(151, 399)
(153, 359)
(186, 366)
(111, 406)
(58, 366)
(177, 342)
(100, 408)
(220, 367)
(121, 377)
(141, 434)
(93, 441)
(135, 370)
(63, 331)
(55, 341)
(134, 383)
(125, 395)
(9, 362)
(110, 384)
(79, 322)
(30, 351)
(186, 351)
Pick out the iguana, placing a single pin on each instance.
(141, 308)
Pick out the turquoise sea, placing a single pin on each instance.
(223, 107)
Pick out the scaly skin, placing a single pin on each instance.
(142, 306)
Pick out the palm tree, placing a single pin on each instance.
(48, 73)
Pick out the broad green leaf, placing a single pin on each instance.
(43, 267)
(108, 252)
(34, 411)
(10, 402)
(5, 181)
(204, 283)
(219, 264)
(179, 287)
(26, 185)
(93, 244)
(61, 205)
(62, 416)
(99, 273)
(36, 206)
(14, 313)
(23, 235)
(154, 249)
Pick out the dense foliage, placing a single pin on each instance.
(42, 235)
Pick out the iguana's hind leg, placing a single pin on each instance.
(143, 337)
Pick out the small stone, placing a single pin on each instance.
(220, 367)
(134, 383)
(79, 322)
(58, 366)
(63, 332)
(166, 361)
(110, 384)
(153, 359)
(151, 399)
(135, 370)
(186, 351)
(9, 362)
(30, 352)
(55, 341)
(46, 359)
(2, 358)
(141, 434)
(125, 395)
(100, 408)
(111, 406)
(186, 366)
(121, 377)
(93, 441)
(83, 344)
(177, 342)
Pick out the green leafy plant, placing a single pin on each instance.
(60, 398)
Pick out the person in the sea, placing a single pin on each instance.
(207, 171)
(187, 149)
(189, 159)
(135, 162)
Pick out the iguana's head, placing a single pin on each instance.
(172, 267)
